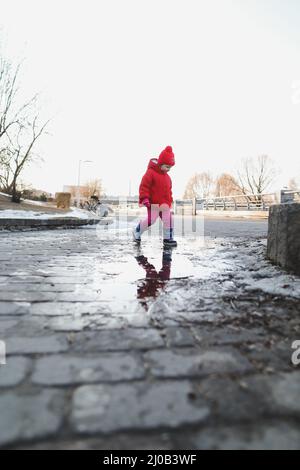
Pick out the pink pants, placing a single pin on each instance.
(155, 211)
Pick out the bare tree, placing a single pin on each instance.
(294, 184)
(92, 188)
(88, 189)
(199, 185)
(21, 153)
(19, 129)
(226, 185)
(256, 175)
(11, 113)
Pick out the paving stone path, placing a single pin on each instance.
(114, 347)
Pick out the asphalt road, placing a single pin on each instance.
(235, 227)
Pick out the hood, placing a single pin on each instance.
(153, 165)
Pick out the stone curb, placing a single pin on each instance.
(283, 246)
(58, 222)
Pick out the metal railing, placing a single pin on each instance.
(241, 202)
(118, 201)
(258, 202)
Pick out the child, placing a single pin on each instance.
(156, 194)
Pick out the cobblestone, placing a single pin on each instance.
(192, 363)
(25, 417)
(104, 408)
(58, 370)
(15, 373)
(102, 355)
(41, 345)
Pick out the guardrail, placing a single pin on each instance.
(119, 201)
(241, 202)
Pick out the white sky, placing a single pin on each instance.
(125, 78)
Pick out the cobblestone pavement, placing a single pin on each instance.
(114, 347)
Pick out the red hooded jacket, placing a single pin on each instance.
(156, 185)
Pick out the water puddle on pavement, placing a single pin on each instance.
(141, 273)
(107, 281)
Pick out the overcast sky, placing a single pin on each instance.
(218, 80)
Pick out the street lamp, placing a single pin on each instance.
(78, 181)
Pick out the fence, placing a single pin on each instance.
(249, 202)
(258, 202)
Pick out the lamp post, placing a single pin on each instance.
(78, 181)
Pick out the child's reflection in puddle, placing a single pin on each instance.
(154, 281)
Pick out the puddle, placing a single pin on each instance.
(107, 281)
(143, 272)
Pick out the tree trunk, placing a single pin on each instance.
(15, 194)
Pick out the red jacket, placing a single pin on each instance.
(156, 185)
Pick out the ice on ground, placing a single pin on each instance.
(255, 272)
(244, 260)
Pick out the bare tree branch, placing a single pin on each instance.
(19, 129)
(199, 185)
(256, 175)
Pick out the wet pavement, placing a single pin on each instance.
(110, 345)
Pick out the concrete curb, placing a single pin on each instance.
(53, 223)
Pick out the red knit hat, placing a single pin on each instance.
(166, 157)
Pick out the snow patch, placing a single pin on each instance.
(5, 195)
(23, 214)
(256, 272)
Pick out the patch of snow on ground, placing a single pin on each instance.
(23, 214)
(34, 203)
(81, 213)
(255, 272)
